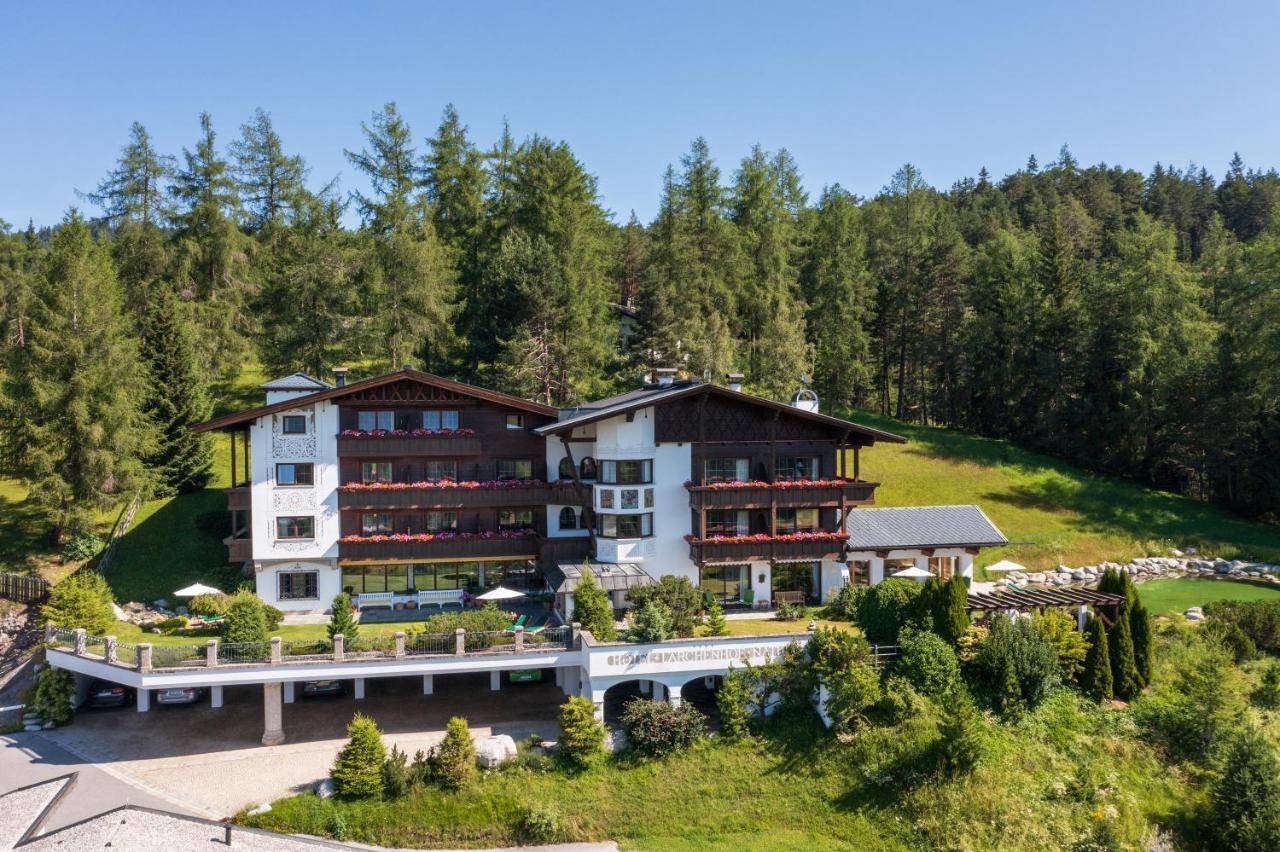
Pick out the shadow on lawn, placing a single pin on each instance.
(24, 536)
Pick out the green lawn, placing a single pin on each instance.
(1167, 596)
(1051, 512)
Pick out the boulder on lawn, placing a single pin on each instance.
(325, 789)
(1194, 613)
(492, 752)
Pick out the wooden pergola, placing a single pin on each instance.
(1037, 600)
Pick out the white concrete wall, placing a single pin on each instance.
(329, 583)
(319, 446)
(964, 561)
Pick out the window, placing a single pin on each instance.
(375, 472)
(439, 420)
(444, 469)
(515, 421)
(296, 526)
(515, 519)
(648, 498)
(860, 572)
(377, 523)
(295, 474)
(724, 582)
(606, 498)
(727, 522)
(797, 520)
(942, 567)
(627, 472)
(726, 470)
(438, 522)
(795, 467)
(631, 498)
(568, 518)
(294, 424)
(796, 577)
(588, 468)
(368, 421)
(515, 468)
(567, 470)
(299, 586)
(624, 526)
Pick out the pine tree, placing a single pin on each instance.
(390, 163)
(454, 760)
(582, 735)
(357, 771)
(1126, 682)
(135, 189)
(715, 622)
(960, 732)
(174, 398)
(75, 433)
(1140, 632)
(950, 616)
(592, 608)
(1095, 678)
(270, 183)
(1246, 796)
(342, 619)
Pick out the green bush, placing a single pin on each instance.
(342, 619)
(272, 616)
(652, 621)
(830, 650)
(1259, 620)
(1268, 692)
(55, 689)
(928, 662)
(246, 619)
(209, 605)
(581, 734)
(395, 774)
(851, 692)
(1233, 639)
(845, 603)
(679, 596)
(1189, 717)
(83, 546)
(82, 600)
(715, 622)
(960, 732)
(172, 624)
(788, 611)
(899, 701)
(486, 619)
(540, 824)
(950, 615)
(656, 729)
(1246, 795)
(733, 701)
(1017, 664)
(357, 772)
(454, 760)
(1095, 676)
(1070, 645)
(593, 609)
(887, 607)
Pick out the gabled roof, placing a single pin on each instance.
(295, 381)
(921, 526)
(603, 409)
(242, 417)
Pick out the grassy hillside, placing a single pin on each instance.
(1051, 511)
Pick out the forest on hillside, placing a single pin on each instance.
(1127, 321)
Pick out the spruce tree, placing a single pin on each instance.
(1246, 796)
(593, 609)
(74, 431)
(950, 616)
(1095, 679)
(269, 181)
(454, 760)
(357, 771)
(174, 398)
(582, 735)
(136, 188)
(1125, 681)
(342, 619)
(715, 622)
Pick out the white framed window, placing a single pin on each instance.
(624, 526)
(295, 473)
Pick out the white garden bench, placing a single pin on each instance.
(386, 599)
(441, 598)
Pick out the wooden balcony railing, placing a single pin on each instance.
(237, 498)
(760, 495)
(408, 445)
(238, 549)
(765, 549)
(462, 496)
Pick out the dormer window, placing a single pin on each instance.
(293, 424)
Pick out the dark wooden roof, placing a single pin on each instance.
(240, 418)
(1036, 598)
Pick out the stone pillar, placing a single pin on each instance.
(275, 650)
(211, 653)
(709, 681)
(288, 687)
(559, 676)
(338, 647)
(575, 630)
(657, 691)
(428, 684)
(922, 562)
(144, 699)
(673, 695)
(519, 639)
(645, 686)
(460, 642)
(597, 699)
(359, 688)
(144, 656)
(109, 649)
(399, 643)
(877, 569)
(215, 696)
(273, 715)
(1082, 615)
(49, 633)
(495, 680)
(966, 565)
(79, 641)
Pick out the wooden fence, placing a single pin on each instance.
(16, 587)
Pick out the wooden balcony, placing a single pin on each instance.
(801, 550)
(461, 497)
(400, 446)
(795, 494)
(462, 549)
(237, 498)
(238, 549)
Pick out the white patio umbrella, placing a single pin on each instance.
(1006, 565)
(196, 589)
(913, 572)
(499, 593)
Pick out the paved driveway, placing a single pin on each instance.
(212, 759)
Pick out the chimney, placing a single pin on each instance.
(339, 376)
(734, 380)
(666, 375)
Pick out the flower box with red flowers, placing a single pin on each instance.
(750, 494)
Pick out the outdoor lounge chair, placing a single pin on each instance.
(536, 625)
(519, 622)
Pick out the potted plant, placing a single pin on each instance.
(749, 597)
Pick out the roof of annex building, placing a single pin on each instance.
(921, 526)
(295, 382)
(610, 576)
(656, 394)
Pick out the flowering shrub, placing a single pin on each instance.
(764, 537)
(407, 433)
(443, 536)
(780, 484)
(450, 483)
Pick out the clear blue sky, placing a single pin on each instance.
(853, 90)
